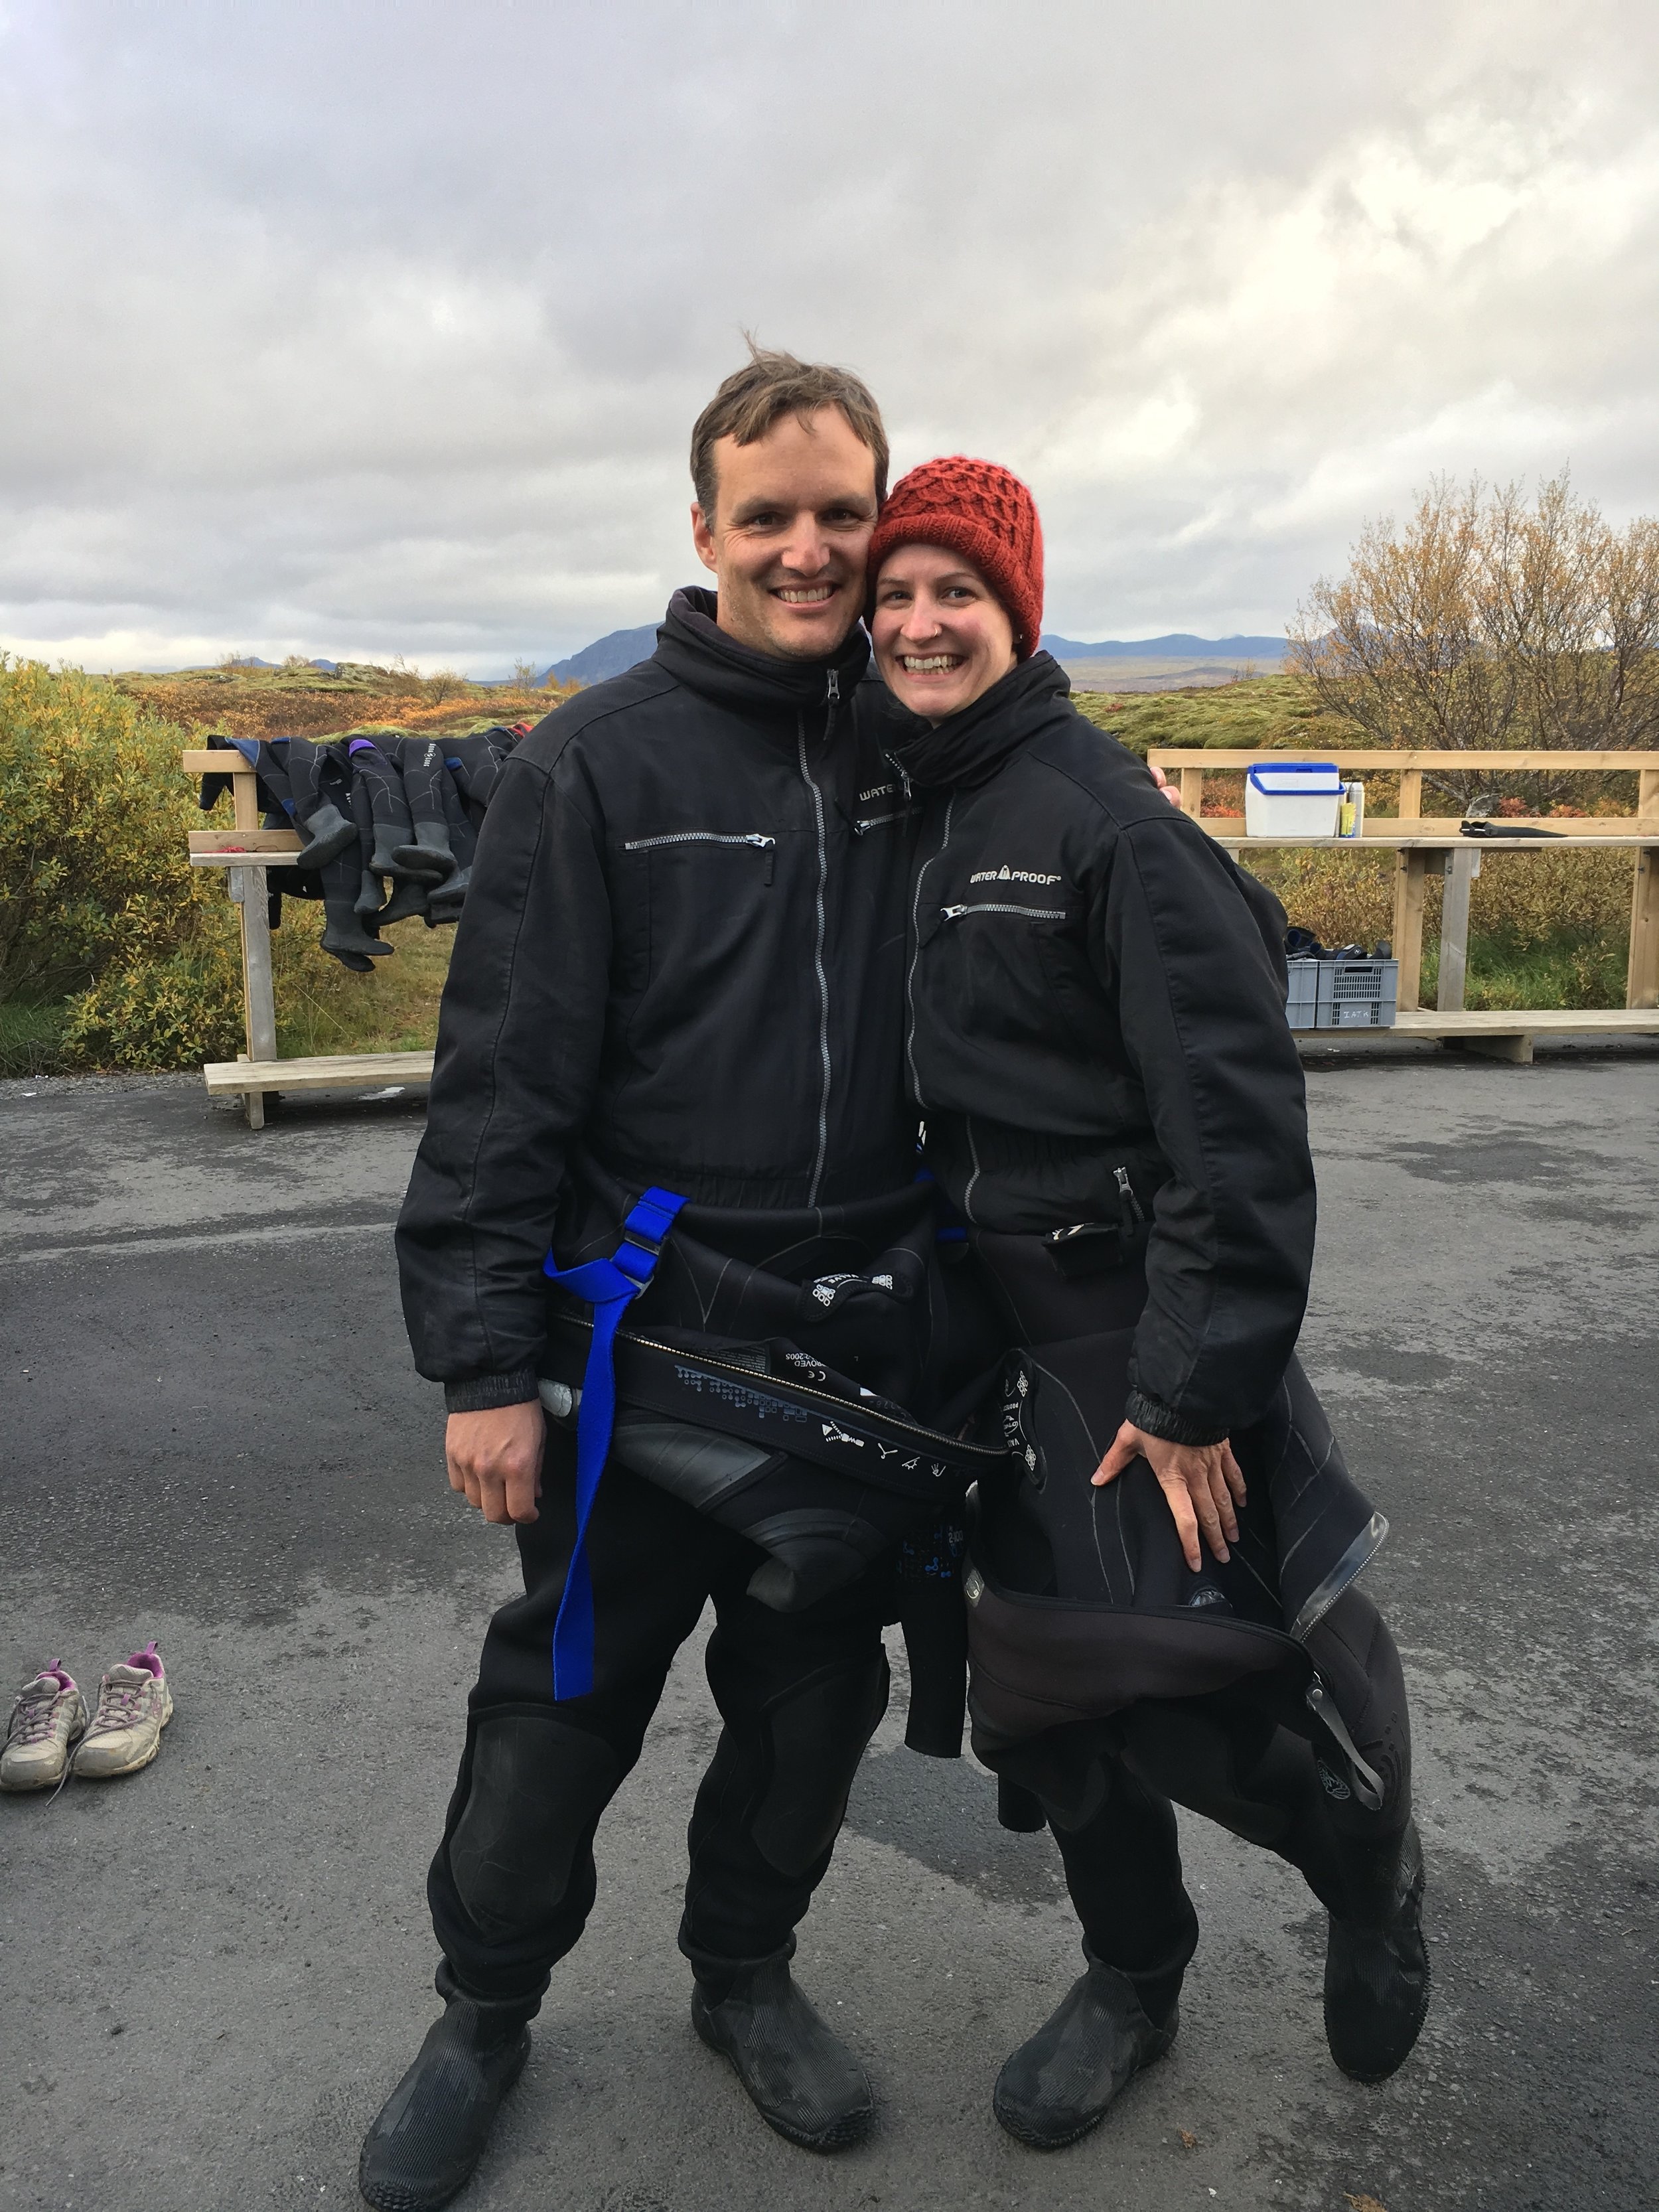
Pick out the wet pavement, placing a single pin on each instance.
(213, 1972)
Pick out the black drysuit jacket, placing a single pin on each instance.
(1093, 986)
(682, 958)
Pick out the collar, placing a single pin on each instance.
(970, 747)
(696, 651)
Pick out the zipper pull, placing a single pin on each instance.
(953, 912)
(1128, 1203)
(834, 693)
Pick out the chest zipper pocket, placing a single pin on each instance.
(755, 838)
(999, 905)
(869, 821)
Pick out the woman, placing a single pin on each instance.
(1160, 1593)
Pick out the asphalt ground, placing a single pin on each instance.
(213, 1972)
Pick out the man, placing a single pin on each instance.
(679, 966)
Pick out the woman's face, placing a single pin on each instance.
(940, 634)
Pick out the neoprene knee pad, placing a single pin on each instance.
(817, 1733)
(537, 1787)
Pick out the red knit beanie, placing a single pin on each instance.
(980, 510)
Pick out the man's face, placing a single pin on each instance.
(787, 540)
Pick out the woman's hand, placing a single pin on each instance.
(1202, 1483)
(495, 1458)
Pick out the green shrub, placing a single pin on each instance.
(99, 903)
(93, 808)
(160, 1009)
(31, 1038)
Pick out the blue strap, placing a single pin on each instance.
(609, 1287)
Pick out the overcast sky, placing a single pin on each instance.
(363, 330)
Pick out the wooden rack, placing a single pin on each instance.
(246, 852)
(1431, 845)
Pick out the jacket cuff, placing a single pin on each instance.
(483, 1393)
(1161, 1420)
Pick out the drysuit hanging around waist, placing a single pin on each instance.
(800, 1377)
(1081, 1603)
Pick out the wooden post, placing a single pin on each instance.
(1192, 793)
(1409, 878)
(247, 888)
(1642, 983)
(1461, 868)
(1411, 794)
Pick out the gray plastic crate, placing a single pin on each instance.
(1302, 1005)
(1356, 995)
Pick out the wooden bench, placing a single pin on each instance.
(1425, 845)
(245, 853)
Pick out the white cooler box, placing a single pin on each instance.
(1291, 799)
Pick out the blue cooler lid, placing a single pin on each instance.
(1296, 778)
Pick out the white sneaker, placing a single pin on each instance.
(49, 1715)
(134, 1706)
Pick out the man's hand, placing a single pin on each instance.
(1200, 1482)
(1170, 790)
(496, 1459)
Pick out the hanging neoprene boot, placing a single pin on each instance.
(1376, 1964)
(1061, 2083)
(376, 773)
(344, 934)
(421, 762)
(432, 2129)
(318, 781)
(802, 2078)
(444, 904)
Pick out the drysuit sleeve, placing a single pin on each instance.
(1185, 946)
(519, 1034)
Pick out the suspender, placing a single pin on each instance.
(608, 1286)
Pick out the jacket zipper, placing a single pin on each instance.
(1128, 1204)
(991, 906)
(755, 838)
(916, 948)
(877, 821)
(832, 694)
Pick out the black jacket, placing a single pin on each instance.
(1094, 985)
(682, 953)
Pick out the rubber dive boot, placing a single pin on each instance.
(374, 774)
(421, 762)
(432, 2129)
(408, 898)
(1376, 1963)
(803, 2080)
(344, 934)
(1063, 2081)
(318, 780)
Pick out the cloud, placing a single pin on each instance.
(347, 330)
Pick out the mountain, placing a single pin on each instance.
(1177, 646)
(609, 656)
(606, 656)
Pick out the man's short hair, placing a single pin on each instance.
(772, 385)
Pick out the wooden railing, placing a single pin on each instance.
(1433, 844)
